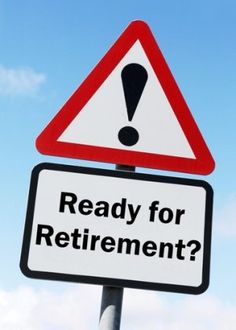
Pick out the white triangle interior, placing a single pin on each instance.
(99, 122)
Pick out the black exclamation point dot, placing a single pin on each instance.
(134, 77)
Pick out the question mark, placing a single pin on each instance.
(196, 247)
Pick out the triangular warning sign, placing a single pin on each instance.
(129, 111)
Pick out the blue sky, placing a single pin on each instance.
(47, 49)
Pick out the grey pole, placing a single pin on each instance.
(112, 297)
(111, 308)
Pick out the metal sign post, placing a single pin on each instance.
(111, 308)
(112, 297)
(134, 219)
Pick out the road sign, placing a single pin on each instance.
(118, 228)
(129, 111)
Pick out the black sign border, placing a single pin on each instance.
(113, 281)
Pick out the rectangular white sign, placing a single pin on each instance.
(118, 228)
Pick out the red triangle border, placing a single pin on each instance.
(47, 143)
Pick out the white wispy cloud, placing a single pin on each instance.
(29, 309)
(77, 308)
(153, 312)
(20, 81)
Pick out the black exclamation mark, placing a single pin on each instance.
(134, 77)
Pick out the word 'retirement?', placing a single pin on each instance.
(83, 240)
